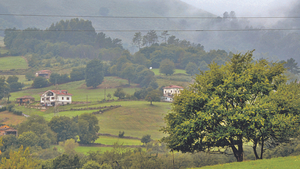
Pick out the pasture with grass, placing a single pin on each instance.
(13, 62)
(291, 162)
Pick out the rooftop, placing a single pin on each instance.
(173, 87)
(61, 92)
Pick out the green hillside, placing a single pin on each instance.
(290, 162)
(136, 8)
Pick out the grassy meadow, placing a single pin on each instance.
(10, 118)
(181, 71)
(79, 90)
(111, 140)
(291, 162)
(135, 118)
(15, 62)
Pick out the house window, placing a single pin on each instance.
(62, 98)
(68, 98)
(52, 98)
(43, 99)
(171, 91)
(48, 98)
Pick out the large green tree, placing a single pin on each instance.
(94, 73)
(64, 127)
(88, 128)
(137, 39)
(20, 159)
(129, 73)
(242, 101)
(153, 96)
(167, 67)
(191, 68)
(40, 82)
(38, 125)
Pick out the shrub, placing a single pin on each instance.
(2, 109)
(10, 107)
(121, 134)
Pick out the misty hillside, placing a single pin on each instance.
(136, 8)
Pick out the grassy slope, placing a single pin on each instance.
(16, 62)
(10, 118)
(79, 90)
(274, 163)
(156, 71)
(111, 140)
(136, 118)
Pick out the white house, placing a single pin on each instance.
(60, 97)
(170, 91)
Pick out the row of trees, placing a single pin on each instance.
(36, 131)
(11, 84)
(70, 38)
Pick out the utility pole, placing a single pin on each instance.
(105, 93)
(56, 111)
(87, 99)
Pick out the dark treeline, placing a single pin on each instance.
(77, 39)
(68, 39)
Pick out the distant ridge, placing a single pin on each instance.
(140, 8)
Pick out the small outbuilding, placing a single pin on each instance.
(25, 100)
(6, 130)
(43, 73)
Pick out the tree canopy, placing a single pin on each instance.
(88, 128)
(94, 73)
(242, 101)
(167, 67)
(64, 126)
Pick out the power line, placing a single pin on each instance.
(149, 17)
(169, 30)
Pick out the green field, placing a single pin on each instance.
(156, 71)
(290, 162)
(80, 91)
(83, 149)
(13, 62)
(22, 79)
(135, 118)
(111, 140)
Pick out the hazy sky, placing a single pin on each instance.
(243, 7)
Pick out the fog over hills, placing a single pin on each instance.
(228, 31)
(129, 8)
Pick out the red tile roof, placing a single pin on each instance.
(61, 92)
(173, 87)
(44, 72)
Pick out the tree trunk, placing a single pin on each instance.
(262, 147)
(238, 152)
(254, 150)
